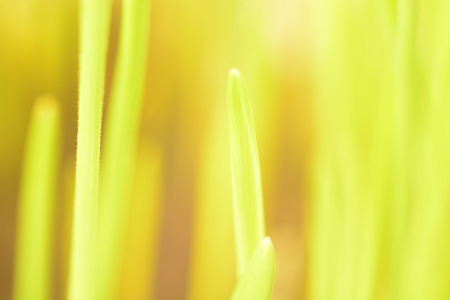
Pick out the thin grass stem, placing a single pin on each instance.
(94, 30)
(246, 179)
(120, 142)
(36, 204)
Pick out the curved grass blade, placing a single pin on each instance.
(36, 203)
(257, 281)
(94, 30)
(120, 142)
(246, 178)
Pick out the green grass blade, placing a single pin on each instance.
(246, 179)
(36, 203)
(120, 142)
(94, 30)
(257, 281)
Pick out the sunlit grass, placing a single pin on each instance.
(33, 263)
(120, 143)
(254, 253)
(375, 200)
(256, 282)
(249, 225)
(377, 163)
(94, 28)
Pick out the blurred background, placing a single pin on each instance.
(193, 44)
(351, 110)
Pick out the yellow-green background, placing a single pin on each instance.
(351, 110)
(193, 44)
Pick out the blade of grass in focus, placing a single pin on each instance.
(94, 30)
(252, 56)
(140, 259)
(120, 142)
(32, 278)
(255, 258)
(256, 282)
(246, 179)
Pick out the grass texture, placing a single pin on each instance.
(379, 203)
(94, 30)
(256, 282)
(254, 253)
(375, 216)
(121, 135)
(246, 177)
(33, 262)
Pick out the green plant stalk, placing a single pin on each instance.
(120, 142)
(373, 222)
(32, 278)
(404, 178)
(257, 280)
(322, 227)
(427, 270)
(402, 123)
(333, 215)
(246, 179)
(94, 30)
(213, 220)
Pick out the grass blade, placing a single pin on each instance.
(246, 178)
(120, 142)
(36, 203)
(94, 29)
(257, 280)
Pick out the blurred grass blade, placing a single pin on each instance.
(66, 223)
(36, 203)
(212, 273)
(257, 281)
(143, 232)
(94, 30)
(246, 178)
(120, 142)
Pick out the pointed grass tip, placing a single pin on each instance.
(234, 77)
(46, 106)
(266, 244)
